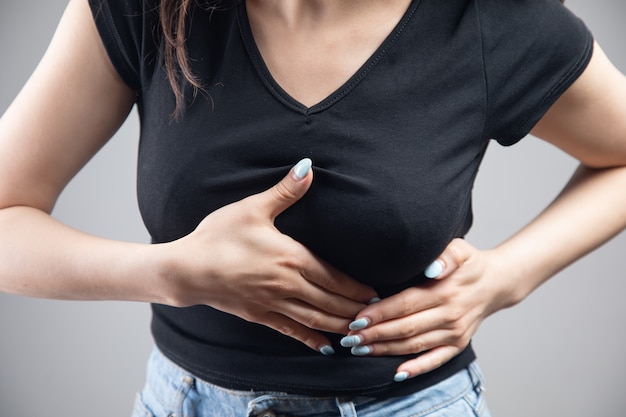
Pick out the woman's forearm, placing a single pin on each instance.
(589, 211)
(40, 257)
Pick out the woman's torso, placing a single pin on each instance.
(396, 148)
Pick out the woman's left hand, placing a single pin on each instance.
(436, 320)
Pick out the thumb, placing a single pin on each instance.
(455, 254)
(290, 189)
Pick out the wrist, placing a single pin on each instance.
(132, 273)
(160, 270)
(171, 272)
(517, 275)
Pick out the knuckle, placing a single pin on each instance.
(281, 192)
(250, 317)
(457, 251)
(457, 333)
(449, 294)
(407, 306)
(409, 330)
(418, 345)
(281, 291)
(373, 335)
(285, 329)
(325, 304)
(280, 287)
(314, 320)
(291, 258)
(319, 278)
(294, 256)
(453, 317)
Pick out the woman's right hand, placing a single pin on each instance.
(238, 262)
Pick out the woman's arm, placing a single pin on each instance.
(588, 122)
(67, 111)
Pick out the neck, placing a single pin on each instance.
(311, 14)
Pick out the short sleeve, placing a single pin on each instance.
(533, 51)
(126, 28)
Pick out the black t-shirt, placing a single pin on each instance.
(395, 151)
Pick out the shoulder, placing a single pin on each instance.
(129, 30)
(589, 119)
(533, 50)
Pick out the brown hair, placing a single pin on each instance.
(173, 18)
(173, 15)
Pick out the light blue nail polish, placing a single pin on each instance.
(359, 324)
(401, 376)
(361, 350)
(351, 341)
(327, 350)
(434, 270)
(374, 300)
(302, 168)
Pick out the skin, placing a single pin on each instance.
(78, 101)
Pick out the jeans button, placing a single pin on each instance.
(267, 413)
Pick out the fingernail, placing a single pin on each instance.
(434, 270)
(327, 350)
(302, 168)
(351, 341)
(401, 376)
(361, 350)
(373, 300)
(359, 324)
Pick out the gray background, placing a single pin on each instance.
(559, 353)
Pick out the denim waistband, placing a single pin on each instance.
(171, 390)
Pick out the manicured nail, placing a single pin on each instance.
(434, 270)
(302, 168)
(359, 324)
(351, 341)
(373, 300)
(361, 350)
(327, 350)
(401, 376)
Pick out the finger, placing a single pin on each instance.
(289, 190)
(420, 343)
(336, 304)
(455, 254)
(406, 303)
(297, 331)
(426, 362)
(332, 280)
(312, 317)
(399, 330)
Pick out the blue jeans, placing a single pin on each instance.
(173, 392)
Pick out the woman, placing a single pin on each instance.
(371, 119)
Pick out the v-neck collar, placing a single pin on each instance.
(282, 95)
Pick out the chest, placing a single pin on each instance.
(310, 53)
(395, 151)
